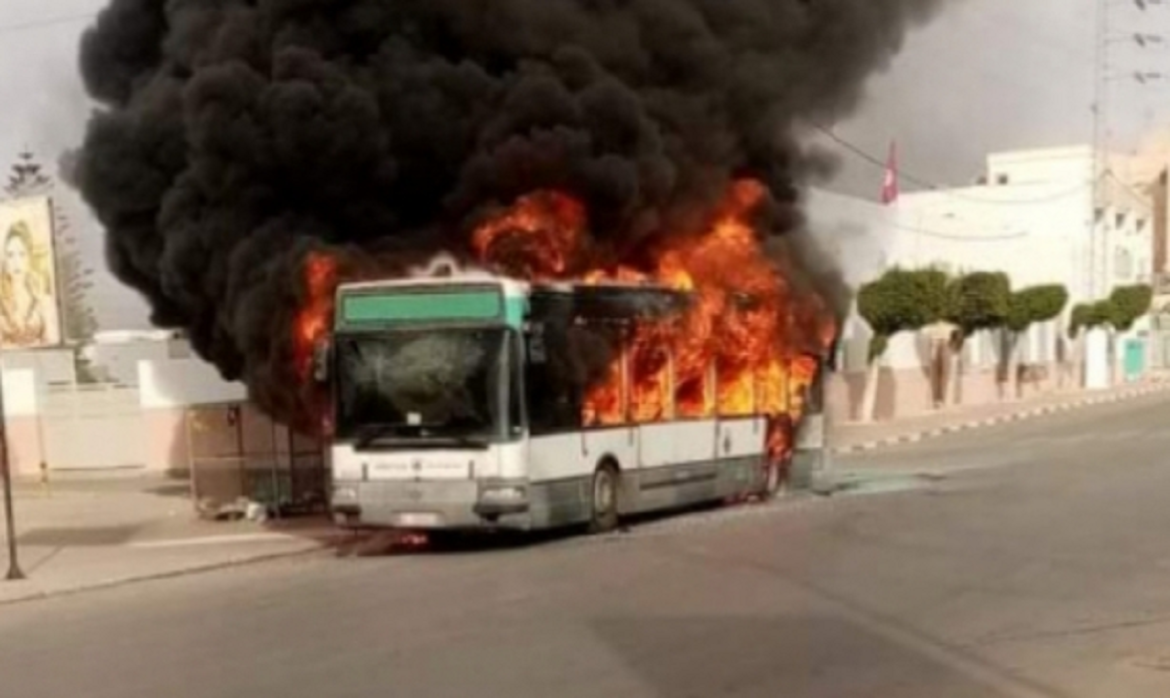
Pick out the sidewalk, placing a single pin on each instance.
(858, 438)
(83, 535)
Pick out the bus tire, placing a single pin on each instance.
(773, 482)
(603, 499)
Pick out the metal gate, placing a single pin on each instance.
(91, 427)
(239, 457)
(1135, 360)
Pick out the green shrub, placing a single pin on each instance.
(1128, 304)
(1035, 304)
(979, 301)
(901, 301)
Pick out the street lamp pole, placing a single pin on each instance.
(14, 571)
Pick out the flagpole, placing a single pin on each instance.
(890, 183)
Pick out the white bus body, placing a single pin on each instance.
(527, 481)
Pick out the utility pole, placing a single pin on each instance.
(14, 571)
(1100, 126)
(1098, 283)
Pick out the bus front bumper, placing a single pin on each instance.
(435, 505)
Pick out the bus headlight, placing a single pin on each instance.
(345, 494)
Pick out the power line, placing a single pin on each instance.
(46, 22)
(925, 184)
(959, 238)
(1125, 185)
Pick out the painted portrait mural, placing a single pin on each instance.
(28, 280)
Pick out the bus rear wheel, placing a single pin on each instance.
(604, 500)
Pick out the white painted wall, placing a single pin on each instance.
(1044, 166)
(20, 392)
(170, 383)
(1097, 360)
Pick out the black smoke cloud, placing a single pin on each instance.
(236, 136)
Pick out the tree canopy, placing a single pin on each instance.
(1124, 307)
(1035, 304)
(902, 300)
(1129, 303)
(979, 301)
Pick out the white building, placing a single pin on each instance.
(1031, 216)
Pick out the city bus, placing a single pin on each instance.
(459, 404)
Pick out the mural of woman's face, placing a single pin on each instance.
(16, 258)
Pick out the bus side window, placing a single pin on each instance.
(552, 406)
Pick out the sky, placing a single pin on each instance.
(984, 76)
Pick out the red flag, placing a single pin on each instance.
(890, 185)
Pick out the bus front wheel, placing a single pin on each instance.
(604, 500)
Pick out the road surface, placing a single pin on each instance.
(1034, 562)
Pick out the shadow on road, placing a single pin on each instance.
(389, 543)
(89, 536)
(805, 656)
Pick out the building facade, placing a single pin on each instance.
(1039, 216)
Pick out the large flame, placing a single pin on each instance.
(537, 239)
(313, 320)
(747, 346)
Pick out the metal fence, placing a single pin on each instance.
(240, 457)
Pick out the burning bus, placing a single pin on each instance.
(461, 403)
(549, 387)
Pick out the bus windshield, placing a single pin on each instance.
(447, 386)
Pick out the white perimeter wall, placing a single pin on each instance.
(175, 384)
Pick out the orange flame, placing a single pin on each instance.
(535, 239)
(741, 349)
(313, 320)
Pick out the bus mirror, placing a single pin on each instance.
(321, 354)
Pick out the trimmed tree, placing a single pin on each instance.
(900, 301)
(1116, 314)
(1088, 316)
(975, 302)
(1128, 304)
(1028, 307)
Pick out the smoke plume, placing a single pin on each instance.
(236, 137)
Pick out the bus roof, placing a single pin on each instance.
(427, 282)
(609, 301)
(563, 300)
(509, 284)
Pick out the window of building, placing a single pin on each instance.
(1120, 221)
(1123, 264)
(1002, 179)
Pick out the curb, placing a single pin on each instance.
(916, 437)
(233, 563)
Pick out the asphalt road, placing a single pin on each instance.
(1034, 562)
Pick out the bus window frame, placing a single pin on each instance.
(507, 434)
